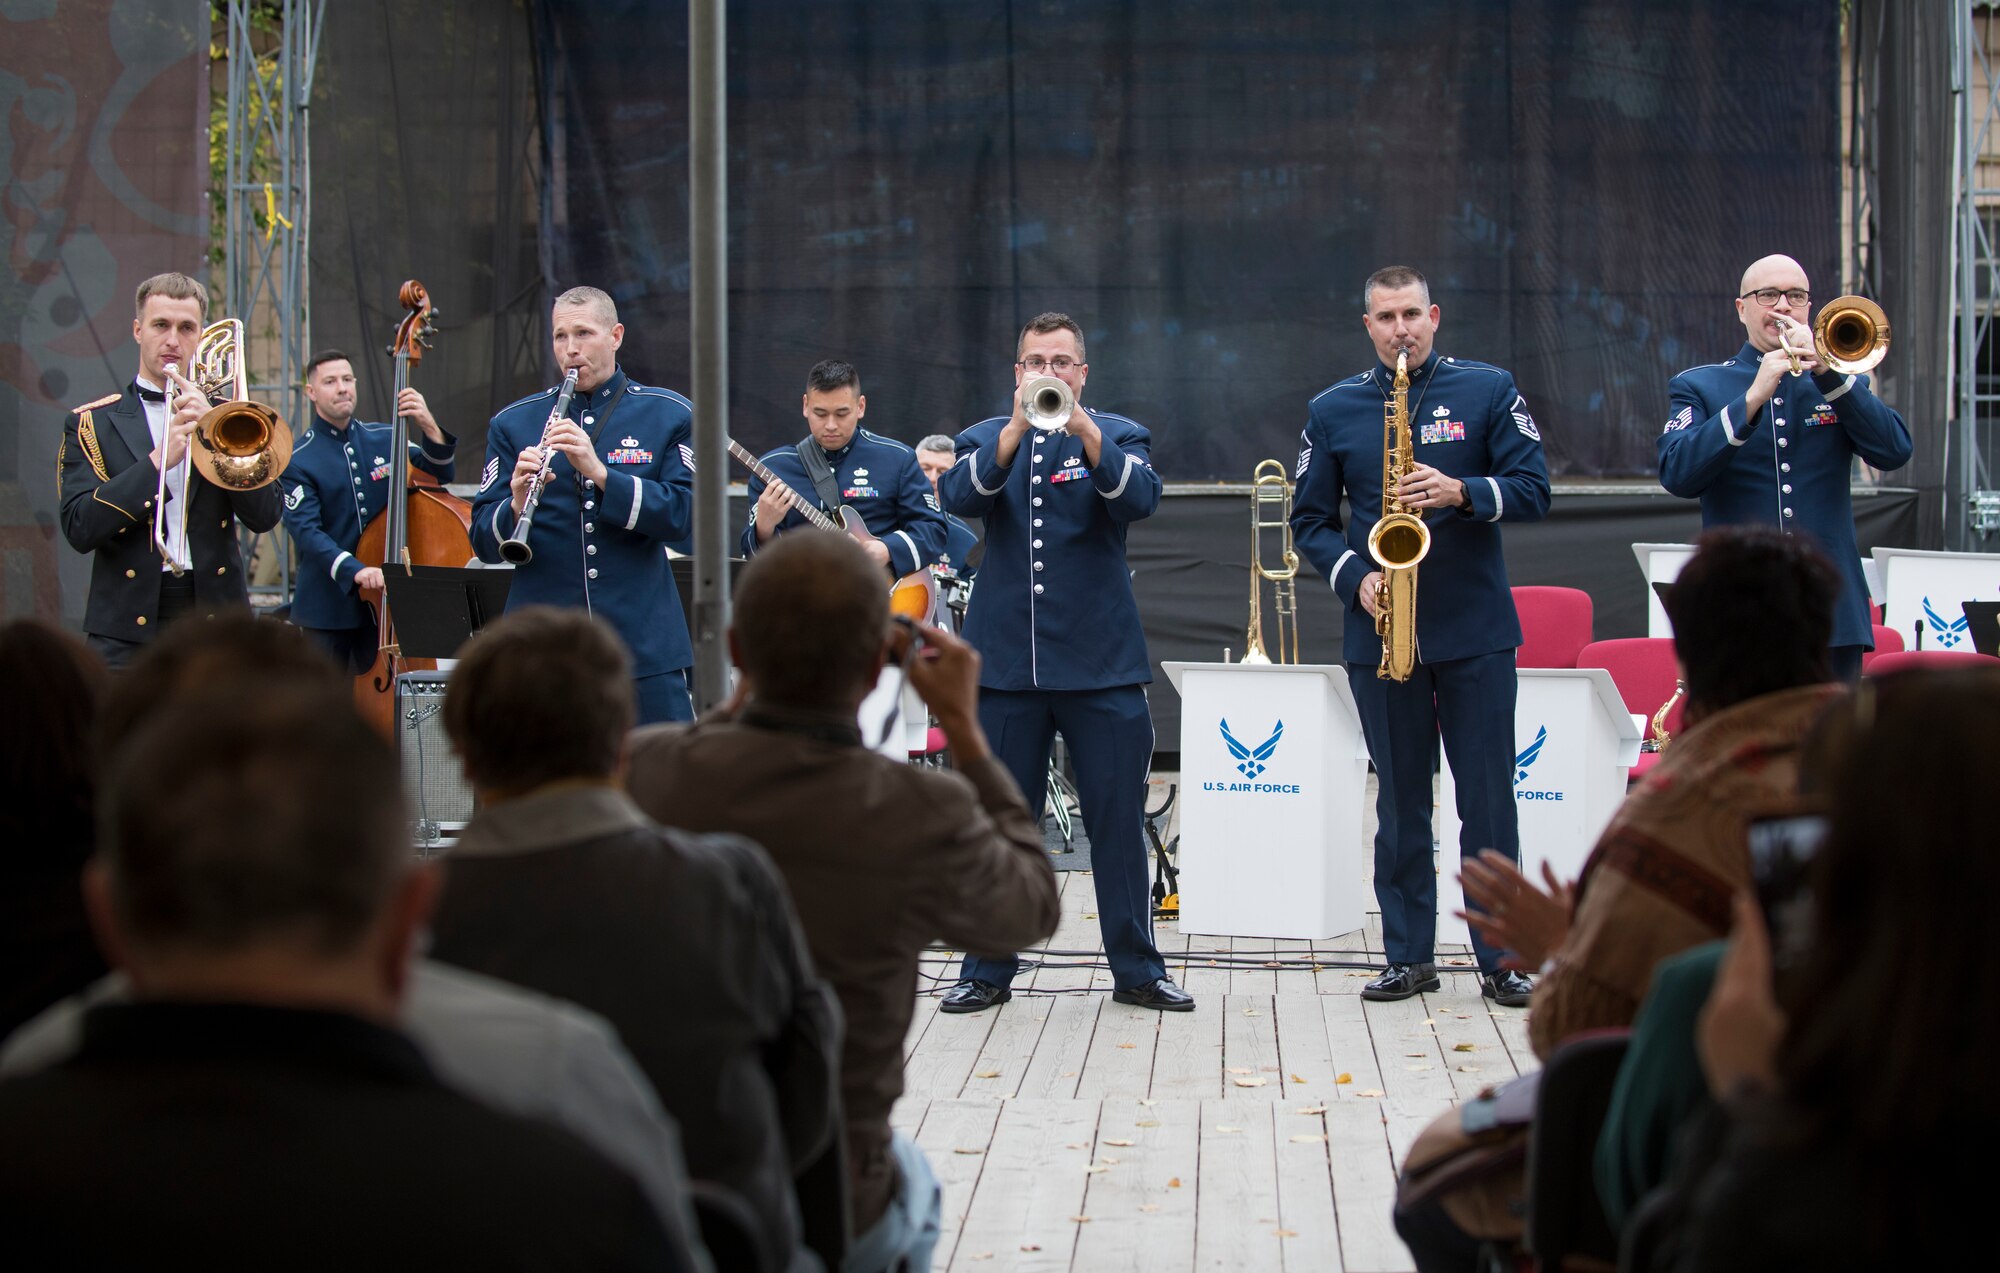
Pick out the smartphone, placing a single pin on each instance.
(1781, 854)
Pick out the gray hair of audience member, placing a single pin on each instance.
(590, 298)
(1752, 612)
(541, 696)
(812, 615)
(938, 442)
(251, 814)
(194, 655)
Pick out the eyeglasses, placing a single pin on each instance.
(1037, 364)
(1768, 296)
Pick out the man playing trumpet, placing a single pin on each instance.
(109, 481)
(1769, 437)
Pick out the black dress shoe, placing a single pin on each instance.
(1162, 995)
(972, 995)
(1400, 981)
(1507, 988)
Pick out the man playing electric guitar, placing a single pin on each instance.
(852, 472)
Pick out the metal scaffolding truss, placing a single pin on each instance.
(273, 46)
(1972, 516)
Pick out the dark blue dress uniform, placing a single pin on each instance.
(1058, 634)
(1468, 421)
(338, 482)
(879, 477)
(1787, 465)
(959, 541)
(105, 486)
(604, 549)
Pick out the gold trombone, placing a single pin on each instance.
(239, 445)
(1271, 509)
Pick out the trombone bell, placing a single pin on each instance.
(1851, 335)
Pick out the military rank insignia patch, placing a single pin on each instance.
(295, 497)
(492, 471)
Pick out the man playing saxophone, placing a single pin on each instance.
(1474, 460)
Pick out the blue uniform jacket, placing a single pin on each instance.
(1788, 465)
(1468, 421)
(959, 541)
(880, 478)
(337, 483)
(601, 550)
(1054, 608)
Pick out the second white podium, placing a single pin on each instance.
(1273, 775)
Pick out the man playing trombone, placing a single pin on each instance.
(152, 558)
(1769, 436)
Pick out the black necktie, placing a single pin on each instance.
(150, 395)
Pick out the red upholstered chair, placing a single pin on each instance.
(1909, 660)
(1644, 669)
(1887, 641)
(1555, 624)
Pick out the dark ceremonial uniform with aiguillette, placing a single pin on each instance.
(1468, 421)
(1058, 635)
(105, 485)
(1788, 465)
(880, 479)
(604, 549)
(340, 480)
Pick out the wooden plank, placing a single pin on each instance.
(1309, 1232)
(1248, 976)
(1032, 1183)
(944, 1058)
(1120, 1061)
(1064, 1044)
(1073, 932)
(1142, 1208)
(1202, 976)
(955, 1137)
(1302, 1048)
(1187, 1060)
(907, 1115)
(1350, 1046)
(1237, 1219)
(1413, 1069)
(1460, 1021)
(1250, 1049)
(1512, 1025)
(1010, 1047)
(1364, 1188)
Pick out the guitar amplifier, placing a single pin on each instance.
(440, 798)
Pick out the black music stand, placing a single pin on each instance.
(1982, 621)
(437, 609)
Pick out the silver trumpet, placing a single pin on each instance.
(515, 548)
(1047, 403)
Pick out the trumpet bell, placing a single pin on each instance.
(1047, 403)
(1399, 541)
(241, 446)
(1851, 335)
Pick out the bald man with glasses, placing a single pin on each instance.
(1757, 442)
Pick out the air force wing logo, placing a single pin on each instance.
(1523, 421)
(1681, 420)
(1525, 761)
(492, 471)
(1949, 632)
(1250, 760)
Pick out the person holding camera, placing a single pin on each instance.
(882, 858)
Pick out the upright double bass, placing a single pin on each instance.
(422, 525)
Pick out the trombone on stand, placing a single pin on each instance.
(1271, 510)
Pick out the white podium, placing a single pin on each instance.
(1933, 586)
(1575, 745)
(1660, 563)
(1273, 775)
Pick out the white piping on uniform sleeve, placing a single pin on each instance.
(1338, 566)
(335, 571)
(496, 517)
(1124, 476)
(638, 502)
(1496, 500)
(977, 485)
(1845, 385)
(1729, 430)
(916, 559)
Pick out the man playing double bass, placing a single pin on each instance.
(341, 478)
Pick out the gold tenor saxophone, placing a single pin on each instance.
(1399, 540)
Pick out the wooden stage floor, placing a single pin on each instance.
(1260, 1131)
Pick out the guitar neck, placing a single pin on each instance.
(808, 511)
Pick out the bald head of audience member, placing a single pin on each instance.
(231, 869)
(811, 622)
(543, 696)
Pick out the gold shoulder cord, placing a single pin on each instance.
(86, 434)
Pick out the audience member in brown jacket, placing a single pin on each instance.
(881, 858)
